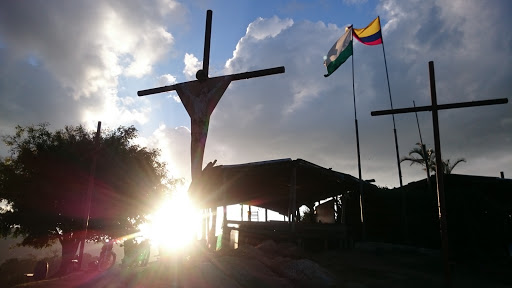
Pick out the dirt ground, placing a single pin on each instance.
(389, 268)
(285, 266)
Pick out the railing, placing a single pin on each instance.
(254, 232)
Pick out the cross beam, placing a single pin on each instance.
(439, 163)
(441, 107)
(234, 77)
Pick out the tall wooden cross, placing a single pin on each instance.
(200, 97)
(439, 163)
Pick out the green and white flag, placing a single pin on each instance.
(339, 53)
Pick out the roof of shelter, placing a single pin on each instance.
(267, 184)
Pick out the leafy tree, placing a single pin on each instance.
(426, 158)
(44, 182)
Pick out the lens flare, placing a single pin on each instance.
(173, 226)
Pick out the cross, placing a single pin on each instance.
(202, 95)
(437, 146)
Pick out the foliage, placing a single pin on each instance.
(448, 168)
(46, 178)
(308, 216)
(426, 158)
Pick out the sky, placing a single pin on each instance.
(80, 62)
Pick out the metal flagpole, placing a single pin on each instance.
(363, 232)
(391, 101)
(423, 149)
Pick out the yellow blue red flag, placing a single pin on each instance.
(371, 35)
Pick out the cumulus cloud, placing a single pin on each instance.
(263, 28)
(258, 30)
(145, 54)
(174, 144)
(298, 114)
(80, 50)
(301, 114)
(166, 80)
(192, 65)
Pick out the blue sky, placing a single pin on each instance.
(80, 62)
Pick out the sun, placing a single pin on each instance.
(174, 224)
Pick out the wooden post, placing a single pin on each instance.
(207, 226)
(213, 229)
(293, 200)
(439, 175)
(90, 190)
(207, 41)
(439, 164)
(200, 97)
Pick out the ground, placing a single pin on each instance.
(272, 265)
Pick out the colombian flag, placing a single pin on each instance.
(371, 35)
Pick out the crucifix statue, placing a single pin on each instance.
(437, 146)
(200, 97)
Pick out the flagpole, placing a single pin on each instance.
(391, 101)
(363, 230)
(423, 149)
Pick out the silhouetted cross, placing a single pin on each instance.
(437, 148)
(200, 97)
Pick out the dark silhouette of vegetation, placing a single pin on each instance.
(45, 179)
(427, 159)
(308, 216)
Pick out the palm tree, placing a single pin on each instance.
(427, 159)
(448, 168)
(421, 156)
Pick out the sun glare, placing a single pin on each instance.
(173, 225)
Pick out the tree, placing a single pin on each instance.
(426, 158)
(45, 179)
(421, 156)
(448, 168)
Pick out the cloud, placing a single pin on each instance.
(145, 54)
(301, 114)
(166, 80)
(174, 144)
(257, 31)
(263, 28)
(81, 50)
(192, 65)
(74, 63)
